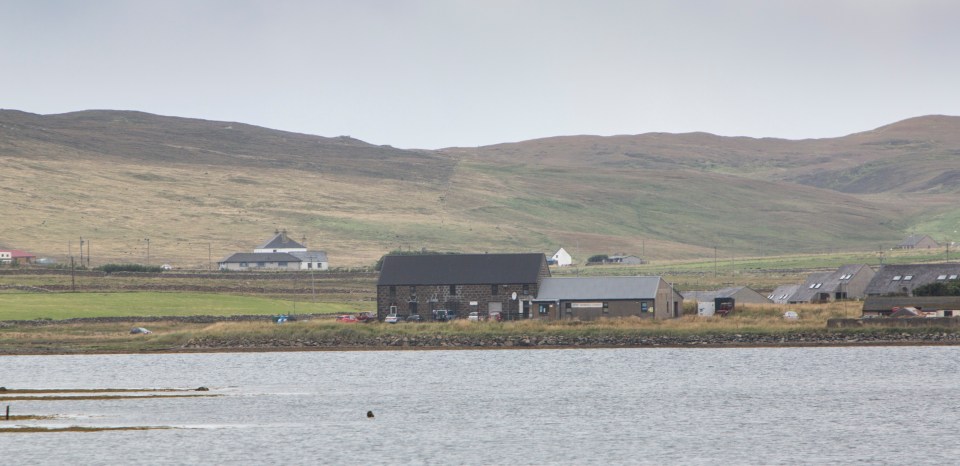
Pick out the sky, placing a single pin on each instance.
(430, 74)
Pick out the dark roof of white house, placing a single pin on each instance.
(261, 257)
(282, 241)
(462, 269)
(605, 288)
(310, 256)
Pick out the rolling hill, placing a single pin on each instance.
(200, 190)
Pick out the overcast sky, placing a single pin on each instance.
(439, 73)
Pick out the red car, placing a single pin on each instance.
(346, 318)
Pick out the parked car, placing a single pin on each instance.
(347, 318)
(474, 317)
(392, 319)
(414, 318)
(367, 317)
(441, 315)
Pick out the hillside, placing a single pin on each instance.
(200, 190)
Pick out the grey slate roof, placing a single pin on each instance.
(913, 240)
(829, 282)
(282, 241)
(310, 256)
(883, 282)
(607, 288)
(728, 292)
(461, 269)
(782, 294)
(261, 257)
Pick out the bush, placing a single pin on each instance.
(598, 258)
(111, 268)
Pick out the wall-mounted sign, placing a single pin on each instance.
(586, 304)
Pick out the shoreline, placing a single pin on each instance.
(738, 341)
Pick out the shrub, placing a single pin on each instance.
(111, 268)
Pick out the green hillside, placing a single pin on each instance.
(201, 190)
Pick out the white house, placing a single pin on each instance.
(561, 258)
(279, 253)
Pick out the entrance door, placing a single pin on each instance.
(494, 308)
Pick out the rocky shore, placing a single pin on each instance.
(550, 341)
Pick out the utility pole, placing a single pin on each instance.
(81, 251)
(148, 250)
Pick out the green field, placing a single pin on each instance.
(57, 306)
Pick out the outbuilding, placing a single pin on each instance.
(592, 298)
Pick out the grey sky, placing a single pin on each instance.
(431, 74)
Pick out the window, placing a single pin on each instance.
(243, 264)
(818, 285)
(309, 265)
(644, 306)
(908, 278)
(282, 264)
(606, 307)
(494, 290)
(543, 308)
(413, 293)
(953, 277)
(393, 290)
(261, 264)
(941, 277)
(846, 276)
(526, 288)
(897, 278)
(453, 289)
(813, 285)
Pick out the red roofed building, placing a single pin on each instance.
(15, 256)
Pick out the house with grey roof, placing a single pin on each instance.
(847, 282)
(740, 294)
(260, 261)
(592, 298)
(918, 242)
(488, 284)
(782, 293)
(279, 253)
(902, 279)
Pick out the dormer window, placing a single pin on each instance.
(897, 278)
(908, 278)
(941, 277)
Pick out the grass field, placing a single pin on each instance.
(57, 306)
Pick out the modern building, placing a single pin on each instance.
(592, 298)
(902, 279)
(847, 282)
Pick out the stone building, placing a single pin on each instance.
(462, 283)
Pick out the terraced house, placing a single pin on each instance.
(488, 284)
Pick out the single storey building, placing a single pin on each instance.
(591, 298)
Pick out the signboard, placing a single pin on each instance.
(586, 304)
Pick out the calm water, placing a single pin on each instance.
(895, 405)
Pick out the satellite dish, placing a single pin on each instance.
(513, 296)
